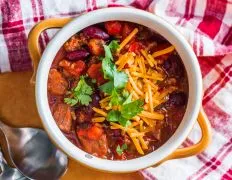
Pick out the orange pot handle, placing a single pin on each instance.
(33, 39)
(196, 148)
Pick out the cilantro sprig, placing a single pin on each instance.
(80, 94)
(115, 89)
(128, 111)
(117, 79)
(120, 150)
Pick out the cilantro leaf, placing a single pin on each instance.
(125, 93)
(108, 53)
(80, 94)
(116, 99)
(124, 121)
(120, 150)
(120, 79)
(108, 68)
(84, 99)
(128, 99)
(116, 116)
(83, 87)
(70, 101)
(113, 45)
(132, 109)
(113, 116)
(107, 87)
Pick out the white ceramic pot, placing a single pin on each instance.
(166, 151)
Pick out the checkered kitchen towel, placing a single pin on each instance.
(206, 24)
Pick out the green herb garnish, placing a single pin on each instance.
(120, 150)
(115, 88)
(128, 111)
(80, 94)
(118, 78)
(131, 109)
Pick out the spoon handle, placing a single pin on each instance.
(3, 126)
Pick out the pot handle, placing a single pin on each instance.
(33, 40)
(198, 147)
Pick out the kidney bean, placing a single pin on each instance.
(95, 32)
(173, 66)
(77, 55)
(176, 99)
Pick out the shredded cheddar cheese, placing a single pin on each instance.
(98, 119)
(163, 51)
(100, 111)
(143, 74)
(127, 39)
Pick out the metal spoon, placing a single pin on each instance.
(8, 173)
(33, 154)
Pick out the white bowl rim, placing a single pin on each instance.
(141, 17)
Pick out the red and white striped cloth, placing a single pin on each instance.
(206, 24)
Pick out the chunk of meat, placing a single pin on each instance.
(57, 84)
(96, 46)
(93, 140)
(75, 68)
(113, 28)
(75, 42)
(173, 66)
(95, 72)
(62, 115)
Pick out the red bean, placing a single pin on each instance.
(77, 55)
(177, 99)
(95, 32)
(173, 66)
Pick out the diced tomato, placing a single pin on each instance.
(135, 47)
(94, 72)
(95, 132)
(126, 30)
(75, 68)
(113, 28)
(92, 133)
